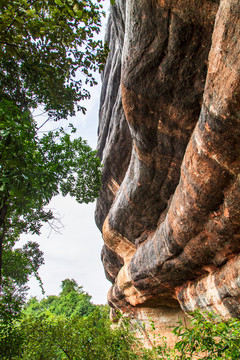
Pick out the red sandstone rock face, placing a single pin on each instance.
(169, 138)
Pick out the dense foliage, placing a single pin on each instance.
(86, 338)
(48, 54)
(33, 170)
(72, 301)
(69, 326)
(209, 337)
(43, 45)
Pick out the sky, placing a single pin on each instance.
(74, 251)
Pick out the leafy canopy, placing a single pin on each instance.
(34, 169)
(44, 44)
(72, 301)
(49, 330)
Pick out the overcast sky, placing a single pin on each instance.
(75, 252)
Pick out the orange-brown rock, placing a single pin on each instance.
(169, 138)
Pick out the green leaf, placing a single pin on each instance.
(79, 13)
(58, 2)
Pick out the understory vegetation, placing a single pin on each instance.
(69, 326)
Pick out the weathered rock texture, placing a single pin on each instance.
(169, 139)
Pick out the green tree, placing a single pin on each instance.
(72, 301)
(20, 264)
(34, 169)
(89, 337)
(59, 328)
(44, 46)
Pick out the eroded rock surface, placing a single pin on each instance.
(169, 139)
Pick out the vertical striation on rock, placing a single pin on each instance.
(169, 139)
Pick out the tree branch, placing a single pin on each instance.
(43, 124)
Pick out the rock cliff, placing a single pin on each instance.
(169, 140)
